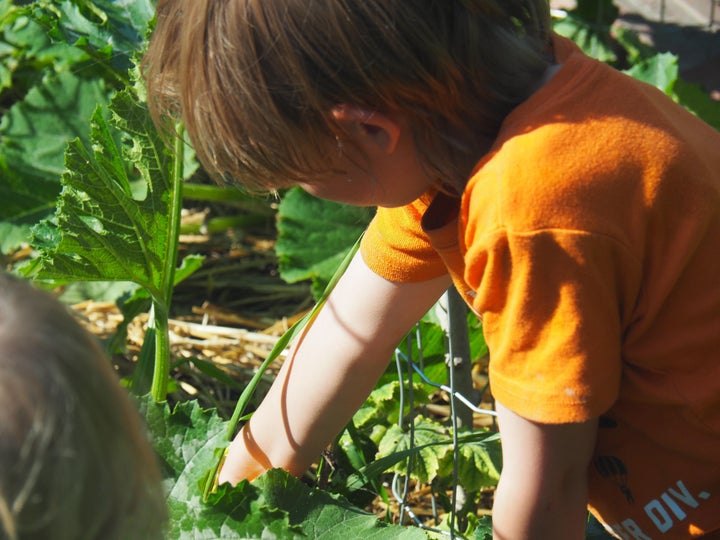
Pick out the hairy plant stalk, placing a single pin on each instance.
(161, 369)
(228, 195)
(163, 299)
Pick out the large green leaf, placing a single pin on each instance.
(33, 137)
(588, 25)
(323, 516)
(661, 71)
(430, 440)
(314, 236)
(60, 60)
(27, 53)
(101, 231)
(185, 440)
(109, 31)
(479, 464)
(276, 505)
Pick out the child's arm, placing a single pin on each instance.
(543, 487)
(330, 372)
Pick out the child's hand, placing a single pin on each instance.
(243, 461)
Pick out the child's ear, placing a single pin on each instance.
(372, 129)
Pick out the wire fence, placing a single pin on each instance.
(462, 402)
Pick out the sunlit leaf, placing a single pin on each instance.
(479, 464)
(426, 462)
(276, 505)
(661, 71)
(100, 231)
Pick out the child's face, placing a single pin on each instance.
(380, 168)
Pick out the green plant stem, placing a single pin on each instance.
(222, 224)
(161, 370)
(229, 195)
(173, 242)
(161, 305)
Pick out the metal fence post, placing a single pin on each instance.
(459, 360)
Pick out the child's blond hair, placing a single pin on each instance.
(254, 81)
(74, 461)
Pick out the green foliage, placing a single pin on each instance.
(661, 70)
(425, 436)
(56, 67)
(185, 440)
(117, 224)
(27, 52)
(33, 136)
(588, 25)
(431, 448)
(102, 229)
(109, 33)
(381, 406)
(484, 530)
(321, 515)
(479, 462)
(314, 236)
(118, 195)
(275, 505)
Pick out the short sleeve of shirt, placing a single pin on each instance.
(396, 248)
(552, 308)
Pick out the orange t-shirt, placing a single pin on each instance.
(588, 240)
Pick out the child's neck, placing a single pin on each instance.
(550, 72)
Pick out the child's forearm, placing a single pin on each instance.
(543, 487)
(520, 513)
(313, 397)
(329, 373)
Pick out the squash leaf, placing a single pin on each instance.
(108, 225)
(588, 25)
(314, 236)
(324, 516)
(429, 444)
(479, 463)
(33, 137)
(276, 505)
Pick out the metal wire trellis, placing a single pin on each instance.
(459, 363)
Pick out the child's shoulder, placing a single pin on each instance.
(592, 120)
(592, 149)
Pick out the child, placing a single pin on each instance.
(576, 210)
(75, 463)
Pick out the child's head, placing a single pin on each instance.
(74, 462)
(255, 81)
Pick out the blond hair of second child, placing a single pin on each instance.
(75, 463)
(576, 210)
